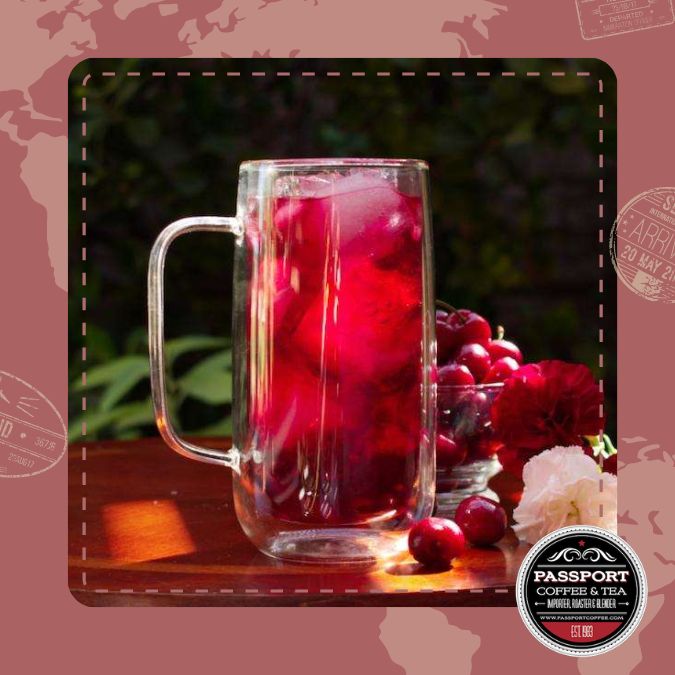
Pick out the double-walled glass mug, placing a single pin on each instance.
(334, 350)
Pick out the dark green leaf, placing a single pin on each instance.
(109, 372)
(136, 414)
(213, 386)
(210, 381)
(95, 421)
(126, 380)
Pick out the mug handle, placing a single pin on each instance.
(160, 248)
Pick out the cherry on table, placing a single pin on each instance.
(482, 520)
(435, 542)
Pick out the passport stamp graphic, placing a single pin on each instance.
(32, 432)
(642, 245)
(598, 18)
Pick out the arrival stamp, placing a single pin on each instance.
(642, 244)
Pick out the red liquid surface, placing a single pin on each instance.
(335, 360)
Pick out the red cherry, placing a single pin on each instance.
(501, 369)
(445, 340)
(479, 402)
(436, 541)
(469, 327)
(455, 374)
(498, 349)
(482, 520)
(449, 452)
(476, 358)
(441, 315)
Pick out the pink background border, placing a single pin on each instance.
(41, 42)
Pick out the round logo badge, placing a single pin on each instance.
(581, 591)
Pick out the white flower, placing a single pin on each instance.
(564, 486)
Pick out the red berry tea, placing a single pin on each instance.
(335, 340)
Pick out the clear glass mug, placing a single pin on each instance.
(334, 351)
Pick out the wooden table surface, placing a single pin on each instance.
(148, 527)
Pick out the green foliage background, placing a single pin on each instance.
(514, 180)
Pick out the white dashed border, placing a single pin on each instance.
(204, 73)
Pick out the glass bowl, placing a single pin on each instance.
(466, 445)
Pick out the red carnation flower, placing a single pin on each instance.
(546, 404)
